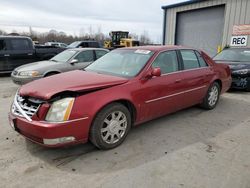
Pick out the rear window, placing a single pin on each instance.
(20, 44)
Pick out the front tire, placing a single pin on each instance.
(248, 84)
(110, 126)
(212, 97)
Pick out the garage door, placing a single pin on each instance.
(201, 28)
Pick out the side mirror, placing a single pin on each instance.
(156, 72)
(73, 61)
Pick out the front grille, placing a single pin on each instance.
(24, 107)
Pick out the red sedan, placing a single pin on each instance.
(124, 88)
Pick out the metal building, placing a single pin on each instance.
(207, 24)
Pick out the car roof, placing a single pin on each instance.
(158, 48)
(84, 49)
(86, 41)
(55, 42)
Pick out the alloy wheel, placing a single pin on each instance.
(213, 95)
(114, 127)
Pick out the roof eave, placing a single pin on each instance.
(181, 4)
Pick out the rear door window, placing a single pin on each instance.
(201, 60)
(20, 44)
(167, 62)
(93, 44)
(190, 60)
(84, 45)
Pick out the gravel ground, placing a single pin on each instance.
(191, 148)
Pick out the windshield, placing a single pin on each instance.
(74, 44)
(124, 63)
(235, 55)
(64, 56)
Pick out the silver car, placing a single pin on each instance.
(71, 59)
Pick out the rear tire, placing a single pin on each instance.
(110, 126)
(212, 97)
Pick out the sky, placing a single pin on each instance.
(78, 16)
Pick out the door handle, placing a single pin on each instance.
(6, 55)
(178, 81)
(30, 54)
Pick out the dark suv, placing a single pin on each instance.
(84, 44)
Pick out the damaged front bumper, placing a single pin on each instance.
(23, 118)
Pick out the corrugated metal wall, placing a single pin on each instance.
(236, 12)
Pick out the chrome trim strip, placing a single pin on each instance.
(172, 95)
(20, 109)
(200, 68)
(61, 122)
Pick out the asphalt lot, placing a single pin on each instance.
(191, 148)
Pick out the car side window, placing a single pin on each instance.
(167, 62)
(100, 53)
(3, 45)
(93, 44)
(85, 56)
(84, 45)
(201, 60)
(190, 60)
(20, 44)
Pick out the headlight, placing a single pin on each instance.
(242, 71)
(29, 73)
(60, 110)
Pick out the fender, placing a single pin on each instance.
(90, 107)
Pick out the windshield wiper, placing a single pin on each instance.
(54, 60)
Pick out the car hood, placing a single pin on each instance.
(35, 66)
(75, 81)
(236, 65)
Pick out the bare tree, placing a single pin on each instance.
(144, 38)
(59, 36)
(2, 32)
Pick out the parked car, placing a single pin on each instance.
(84, 44)
(57, 44)
(71, 59)
(125, 87)
(238, 60)
(16, 51)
